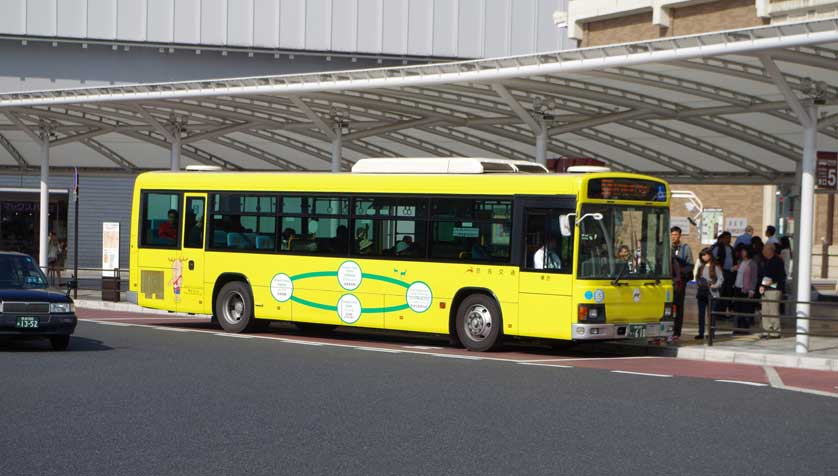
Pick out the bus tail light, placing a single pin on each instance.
(591, 313)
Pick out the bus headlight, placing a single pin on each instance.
(591, 313)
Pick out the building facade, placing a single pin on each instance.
(601, 22)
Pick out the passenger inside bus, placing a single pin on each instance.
(546, 257)
(362, 243)
(168, 229)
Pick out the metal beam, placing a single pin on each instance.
(110, 154)
(314, 117)
(523, 114)
(160, 128)
(12, 150)
(781, 83)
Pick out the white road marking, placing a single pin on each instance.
(773, 377)
(118, 324)
(455, 356)
(171, 329)
(237, 336)
(560, 359)
(378, 349)
(536, 364)
(422, 347)
(640, 373)
(754, 384)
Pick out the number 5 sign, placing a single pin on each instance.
(827, 171)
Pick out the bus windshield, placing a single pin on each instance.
(629, 242)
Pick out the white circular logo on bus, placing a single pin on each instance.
(282, 287)
(349, 309)
(349, 275)
(635, 295)
(419, 297)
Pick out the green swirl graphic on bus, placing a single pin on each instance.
(418, 296)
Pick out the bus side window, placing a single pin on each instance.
(194, 223)
(160, 227)
(548, 246)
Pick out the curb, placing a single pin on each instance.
(727, 355)
(124, 307)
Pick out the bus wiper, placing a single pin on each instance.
(616, 281)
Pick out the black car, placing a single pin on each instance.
(27, 308)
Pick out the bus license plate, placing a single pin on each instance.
(637, 331)
(27, 322)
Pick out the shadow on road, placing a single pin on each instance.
(32, 344)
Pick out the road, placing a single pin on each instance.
(184, 399)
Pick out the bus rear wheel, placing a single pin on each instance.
(479, 324)
(234, 307)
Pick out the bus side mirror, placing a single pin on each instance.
(564, 224)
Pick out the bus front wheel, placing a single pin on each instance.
(234, 307)
(479, 324)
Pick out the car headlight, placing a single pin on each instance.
(60, 307)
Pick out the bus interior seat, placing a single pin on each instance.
(264, 243)
(236, 240)
(219, 238)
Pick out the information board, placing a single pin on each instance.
(110, 248)
(827, 171)
(627, 189)
(712, 220)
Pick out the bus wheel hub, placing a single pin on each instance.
(478, 322)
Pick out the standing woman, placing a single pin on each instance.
(710, 280)
(745, 287)
(786, 254)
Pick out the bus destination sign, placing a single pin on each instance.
(626, 189)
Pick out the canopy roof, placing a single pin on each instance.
(703, 108)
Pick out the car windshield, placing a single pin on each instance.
(629, 242)
(17, 271)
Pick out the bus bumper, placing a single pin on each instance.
(634, 330)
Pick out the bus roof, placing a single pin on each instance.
(455, 184)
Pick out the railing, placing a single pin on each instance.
(822, 324)
(92, 279)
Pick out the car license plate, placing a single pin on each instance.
(637, 331)
(27, 322)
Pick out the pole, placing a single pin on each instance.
(43, 242)
(337, 146)
(541, 145)
(76, 232)
(806, 218)
(827, 241)
(175, 165)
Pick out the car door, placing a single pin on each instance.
(545, 286)
(192, 287)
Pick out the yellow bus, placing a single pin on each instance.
(474, 248)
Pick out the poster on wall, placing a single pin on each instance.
(681, 222)
(712, 220)
(110, 248)
(736, 226)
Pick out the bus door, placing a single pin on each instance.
(192, 297)
(546, 261)
(159, 253)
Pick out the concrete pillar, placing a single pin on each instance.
(541, 146)
(175, 166)
(806, 220)
(44, 216)
(769, 207)
(337, 149)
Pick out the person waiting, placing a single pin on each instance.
(771, 235)
(745, 288)
(710, 279)
(744, 238)
(546, 257)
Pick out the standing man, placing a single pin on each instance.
(772, 284)
(745, 238)
(770, 237)
(723, 253)
(684, 258)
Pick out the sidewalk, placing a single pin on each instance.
(823, 352)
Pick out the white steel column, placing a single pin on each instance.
(541, 146)
(769, 207)
(337, 148)
(43, 242)
(804, 257)
(175, 166)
